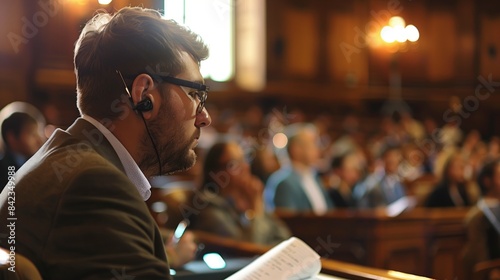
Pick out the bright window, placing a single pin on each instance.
(213, 20)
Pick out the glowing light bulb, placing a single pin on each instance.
(104, 2)
(400, 34)
(397, 21)
(412, 33)
(388, 35)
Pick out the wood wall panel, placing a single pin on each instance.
(301, 42)
(489, 47)
(14, 57)
(466, 43)
(441, 41)
(303, 53)
(346, 62)
(11, 22)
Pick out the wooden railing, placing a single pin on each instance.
(425, 242)
(233, 248)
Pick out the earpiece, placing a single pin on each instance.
(144, 105)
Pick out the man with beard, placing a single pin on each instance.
(79, 209)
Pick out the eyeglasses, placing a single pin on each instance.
(201, 89)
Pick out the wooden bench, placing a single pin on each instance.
(423, 241)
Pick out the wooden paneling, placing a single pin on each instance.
(441, 32)
(347, 63)
(14, 54)
(426, 242)
(489, 47)
(466, 42)
(301, 42)
(11, 15)
(233, 248)
(457, 44)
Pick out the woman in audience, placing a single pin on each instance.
(451, 191)
(231, 199)
(264, 163)
(483, 242)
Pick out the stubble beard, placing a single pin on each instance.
(175, 156)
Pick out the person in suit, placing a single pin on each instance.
(232, 204)
(21, 140)
(297, 186)
(346, 173)
(384, 186)
(79, 201)
(451, 191)
(483, 242)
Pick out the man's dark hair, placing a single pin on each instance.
(389, 148)
(338, 161)
(133, 41)
(14, 124)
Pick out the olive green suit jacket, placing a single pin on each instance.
(78, 216)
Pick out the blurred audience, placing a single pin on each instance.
(297, 186)
(21, 139)
(413, 165)
(425, 147)
(412, 127)
(345, 173)
(232, 199)
(384, 186)
(452, 189)
(264, 163)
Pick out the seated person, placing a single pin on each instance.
(231, 199)
(383, 187)
(345, 174)
(483, 242)
(297, 186)
(264, 163)
(21, 140)
(451, 191)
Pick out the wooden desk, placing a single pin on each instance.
(423, 241)
(231, 248)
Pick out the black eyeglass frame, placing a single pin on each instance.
(202, 90)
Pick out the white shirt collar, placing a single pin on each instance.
(313, 191)
(132, 170)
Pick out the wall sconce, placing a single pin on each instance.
(397, 30)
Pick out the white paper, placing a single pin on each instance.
(292, 259)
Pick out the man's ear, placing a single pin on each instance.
(142, 96)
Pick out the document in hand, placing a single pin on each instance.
(292, 259)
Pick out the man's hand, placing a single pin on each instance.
(183, 252)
